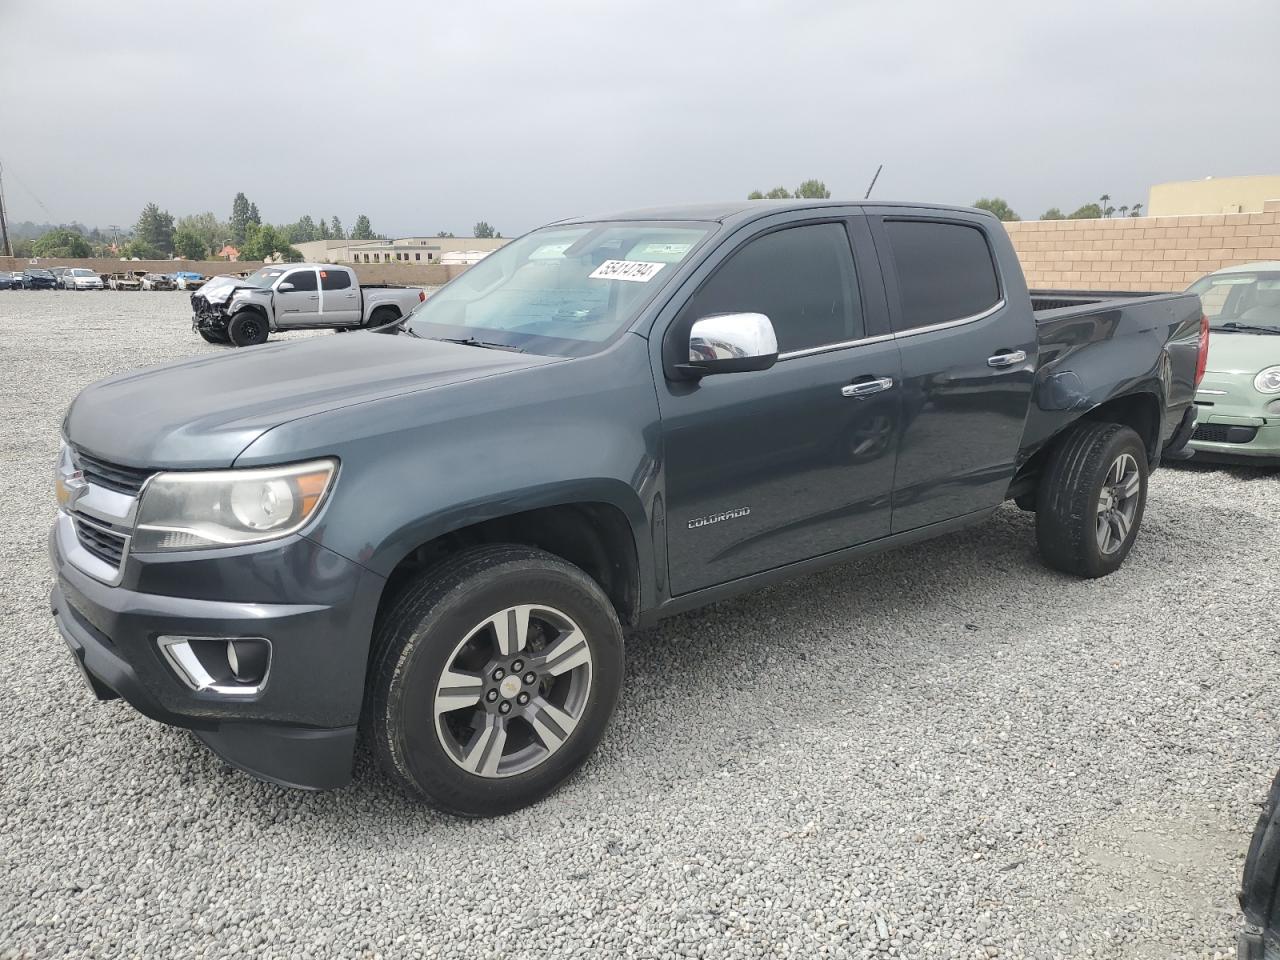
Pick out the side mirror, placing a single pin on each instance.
(284, 287)
(730, 343)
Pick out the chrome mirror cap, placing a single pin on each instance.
(731, 343)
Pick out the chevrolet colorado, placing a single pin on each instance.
(244, 311)
(442, 535)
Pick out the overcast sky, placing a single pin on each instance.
(431, 116)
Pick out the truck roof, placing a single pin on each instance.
(741, 210)
(1260, 266)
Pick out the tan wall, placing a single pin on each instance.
(410, 274)
(1215, 195)
(1142, 253)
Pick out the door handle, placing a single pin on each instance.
(865, 388)
(314, 297)
(1006, 358)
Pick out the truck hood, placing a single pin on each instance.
(201, 413)
(219, 290)
(1242, 352)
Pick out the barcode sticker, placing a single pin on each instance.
(635, 271)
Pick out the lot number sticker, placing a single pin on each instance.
(636, 271)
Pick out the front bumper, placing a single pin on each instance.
(1236, 421)
(300, 730)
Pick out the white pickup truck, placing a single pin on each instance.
(244, 311)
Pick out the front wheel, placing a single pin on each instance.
(213, 336)
(496, 675)
(1091, 499)
(247, 328)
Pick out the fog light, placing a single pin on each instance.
(231, 666)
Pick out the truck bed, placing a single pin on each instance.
(1042, 300)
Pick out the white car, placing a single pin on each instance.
(80, 278)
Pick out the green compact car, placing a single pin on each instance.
(1239, 398)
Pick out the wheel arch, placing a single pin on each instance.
(592, 531)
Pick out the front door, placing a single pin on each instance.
(767, 468)
(968, 343)
(299, 307)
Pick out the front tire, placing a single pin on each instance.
(495, 676)
(1091, 499)
(248, 328)
(383, 317)
(213, 336)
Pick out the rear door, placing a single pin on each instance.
(339, 298)
(299, 307)
(967, 338)
(771, 467)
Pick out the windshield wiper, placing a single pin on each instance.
(1232, 325)
(473, 342)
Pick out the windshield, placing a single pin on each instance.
(559, 291)
(1241, 302)
(263, 278)
(39, 273)
(81, 272)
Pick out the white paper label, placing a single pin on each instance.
(636, 271)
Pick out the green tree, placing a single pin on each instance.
(1090, 211)
(482, 230)
(155, 229)
(189, 245)
(1053, 213)
(322, 229)
(777, 193)
(263, 241)
(812, 190)
(997, 206)
(335, 228)
(62, 242)
(137, 249)
(240, 218)
(363, 230)
(254, 216)
(444, 233)
(213, 233)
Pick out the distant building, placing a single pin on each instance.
(229, 252)
(402, 250)
(1212, 195)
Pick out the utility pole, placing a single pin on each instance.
(6, 249)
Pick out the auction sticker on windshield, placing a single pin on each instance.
(636, 271)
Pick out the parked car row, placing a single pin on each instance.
(82, 278)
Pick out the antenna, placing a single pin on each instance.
(873, 182)
(5, 248)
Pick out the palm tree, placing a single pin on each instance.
(1136, 210)
(1124, 209)
(1106, 211)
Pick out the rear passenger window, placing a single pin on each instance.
(335, 279)
(801, 278)
(945, 271)
(302, 279)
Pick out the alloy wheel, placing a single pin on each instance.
(1118, 503)
(513, 690)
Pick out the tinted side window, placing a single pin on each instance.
(302, 279)
(801, 278)
(945, 271)
(335, 279)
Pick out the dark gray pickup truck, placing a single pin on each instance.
(442, 534)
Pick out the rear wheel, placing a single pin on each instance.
(1091, 499)
(383, 317)
(496, 674)
(247, 328)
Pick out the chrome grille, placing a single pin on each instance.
(104, 544)
(127, 480)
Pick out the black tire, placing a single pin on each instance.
(419, 637)
(213, 336)
(1070, 519)
(381, 317)
(247, 328)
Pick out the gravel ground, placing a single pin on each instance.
(948, 751)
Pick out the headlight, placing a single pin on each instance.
(191, 511)
(1268, 381)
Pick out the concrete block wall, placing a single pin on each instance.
(1142, 253)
